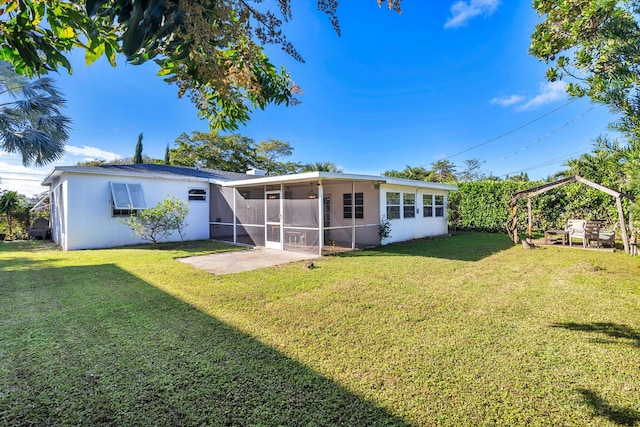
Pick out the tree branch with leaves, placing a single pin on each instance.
(211, 49)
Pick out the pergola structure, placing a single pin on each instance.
(512, 222)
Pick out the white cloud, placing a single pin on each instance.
(548, 93)
(506, 101)
(26, 180)
(15, 177)
(463, 11)
(91, 153)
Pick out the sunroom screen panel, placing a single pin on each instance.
(301, 213)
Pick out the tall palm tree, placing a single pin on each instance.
(31, 122)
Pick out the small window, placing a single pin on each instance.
(439, 205)
(198, 194)
(359, 205)
(427, 205)
(347, 205)
(126, 199)
(409, 205)
(393, 205)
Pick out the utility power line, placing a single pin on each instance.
(495, 138)
(2, 178)
(547, 163)
(564, 125)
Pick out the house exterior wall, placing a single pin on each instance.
(87, 210)
(58, 220)
(419, 226)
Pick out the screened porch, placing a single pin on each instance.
(319, 217)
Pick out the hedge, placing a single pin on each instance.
(484, 206)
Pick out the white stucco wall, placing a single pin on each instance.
(88, 213)
(58, 220)
(413, 228)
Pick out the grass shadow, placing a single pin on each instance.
(95, 345)
(612, 330)
(460, 247)
(616, 414)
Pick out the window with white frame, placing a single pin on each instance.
(408, 205)
(393, 205)
(126, 199)
(438, 205)
(427, 205)
(198, 194)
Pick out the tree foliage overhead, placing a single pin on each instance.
(595, 46)
(211, 49)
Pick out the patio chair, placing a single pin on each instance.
(591, 234)
(39, 228)
(575, 227)
(607, 237)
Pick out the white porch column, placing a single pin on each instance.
(320, 217)
(235, 234)
(353, 215)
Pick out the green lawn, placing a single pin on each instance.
(467, 330)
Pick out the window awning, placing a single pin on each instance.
(127, 196)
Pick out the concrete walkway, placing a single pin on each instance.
(250, 259)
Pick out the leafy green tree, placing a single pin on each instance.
(605, 165)
(269, 152)
(137, 157)
(521, 177)
(31, 121)
(233, 153)
(156, 223)
(210, 49)
(443, 171)
(472, 171)
(10, 204)
(167, 156)
(595, 46)
(418, 173)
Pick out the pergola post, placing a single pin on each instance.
(623, 228)
(529, 218)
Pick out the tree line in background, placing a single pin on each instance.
(233, 153)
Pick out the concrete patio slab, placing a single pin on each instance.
(250, 259)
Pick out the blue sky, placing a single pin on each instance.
(443, 80)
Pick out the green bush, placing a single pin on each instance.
(484, 206)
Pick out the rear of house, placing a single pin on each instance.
(314, 212)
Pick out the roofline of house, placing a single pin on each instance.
(258, 180)
(59, 170)
(306, 176)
